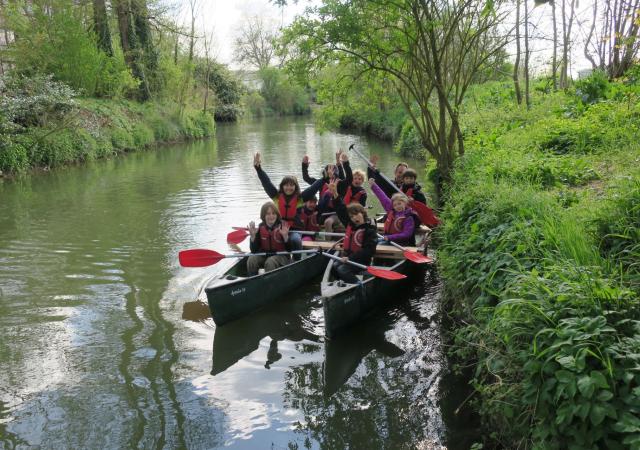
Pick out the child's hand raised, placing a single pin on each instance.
(284, 230)
(305, 160)
(333, 188)
(256, 160)
(372, 182)
(252, 229)
(373, 161)
(338, 155)
(344, 157)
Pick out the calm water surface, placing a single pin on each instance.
(105, 341)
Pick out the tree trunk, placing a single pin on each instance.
(516, 64)
(526, 55)
(554, 62)
(101, 23)
(587, 54)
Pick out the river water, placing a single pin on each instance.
(105, 341)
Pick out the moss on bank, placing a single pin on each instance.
(96, 129)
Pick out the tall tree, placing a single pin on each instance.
(430, 49)
(516, 64)
(101, 24)
(255, 44)
(527, 55)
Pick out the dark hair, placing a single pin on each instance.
(314, 199)
(265, 208)
(325, 171)
(290, 179)
(357, 208)
(409, 173)
(401, 164)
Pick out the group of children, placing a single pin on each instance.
(341, 208)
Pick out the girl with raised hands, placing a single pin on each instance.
(400, 223)
(287, 197)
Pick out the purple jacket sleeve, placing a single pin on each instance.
(408, 227)
(384, 200)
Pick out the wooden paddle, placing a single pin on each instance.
(375, 271)
(426, 214)
(412, 256)
(200, 257)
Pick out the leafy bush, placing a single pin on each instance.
(33, 101)
(409, 142)
(13, 156)
(53, 40)
(593, 88)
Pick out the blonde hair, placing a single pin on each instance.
(265, 209)
(359, 172)
(399, 196)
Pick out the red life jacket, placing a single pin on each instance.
(309, 221)
(409, 192)
(324, 189)
(393, 224)
(353, 240)
(271, 240)
(288, 210)
(349, 196)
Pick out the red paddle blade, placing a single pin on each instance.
(386, 274)
(199, 257)
(426, 214)
(235, 237)
(417, 257)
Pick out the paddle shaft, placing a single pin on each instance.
(383, 176)
(292, 252)
(337, 258)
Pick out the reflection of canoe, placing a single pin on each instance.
(234, 294)
(343, 354)
(280, 321)
(346, 304)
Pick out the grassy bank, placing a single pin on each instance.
(539, 252)
(46, 130)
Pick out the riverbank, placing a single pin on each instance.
(538, 252)
(82, 129)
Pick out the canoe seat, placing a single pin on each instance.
(382, 251)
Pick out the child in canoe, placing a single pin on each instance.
(331, 173)
(411, 188)
(287, 197)
(398, 180)
(360, 238)
(272, 235)
(308, 218)
(401, 220)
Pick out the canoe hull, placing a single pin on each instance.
(345, 306)
(231, 298)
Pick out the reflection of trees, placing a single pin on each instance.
(389, 400)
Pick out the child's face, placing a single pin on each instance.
(270, 217)
(358, 180)
(357, 218)
(311, 205)
(289, 188)
(399, 171)
(409, 181)
(399, 205)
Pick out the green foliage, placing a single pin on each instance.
(53, 40)
(409, 143)
(13, 156)
(32, 101)
(618, 227)
(282, 96)
(360, 101)
(255, 104)
(227, 88)
(540, 262)
(593, 88)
